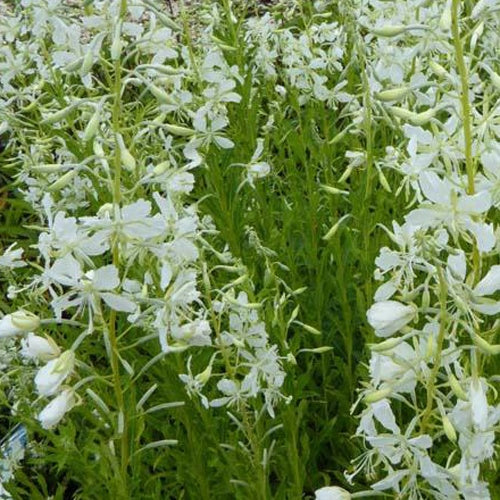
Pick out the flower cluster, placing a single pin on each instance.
(430, 415)
(120, 245)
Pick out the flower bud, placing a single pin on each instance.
(92, 126)
(205, 375)
(178, 130)
(383, 181)
(375, 396)
(53, 413)
(389, 30)
(445, 20)
(457, 388)
(413, 118)
(449, 430)
(160, 94)
(386, 344)
(392, 94)
(333, 190)
(126, 157)
(485, 346)
(331, 233)
(438, 69)
(389, 316)
(50, 377)
(87, 63)
(161, 168)
(43, 348)
(25, 321)
(116, 45)
(18, 322)
(63, 181)
(332, 493)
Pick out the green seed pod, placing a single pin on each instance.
(178, 130)
(392, 94)
(63, 181)
(389, 31)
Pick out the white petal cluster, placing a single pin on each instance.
(120, 243)
(430, 413)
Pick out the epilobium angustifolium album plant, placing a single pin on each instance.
(219, 219)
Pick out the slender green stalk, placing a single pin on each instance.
(120, 400)
(464, 95)
(431, 384)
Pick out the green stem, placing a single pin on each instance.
(431, 383)
(464, 95)
(115, 366)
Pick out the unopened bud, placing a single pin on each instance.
(485, 346)
(375, 396)
(386, 344)
(161, 168)
(178, 130)
(92, 126)
(331, 233)
(18, 322)
(392, 94)
(457, 388)
(389, 30)
(449, 430)
(126, 157)
(445, 20)
(63, 181)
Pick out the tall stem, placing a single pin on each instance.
(115, 365)
(464, 94)
(431, 383)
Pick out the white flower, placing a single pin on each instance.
(53, 413)
(35, 347)
(332, 493)
(87, 288)
(257, 169)
(389, 316)
(50, 377)
(453, 208)
(18, 322)
(10, 259)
